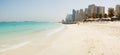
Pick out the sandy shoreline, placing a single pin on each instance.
(83, 39)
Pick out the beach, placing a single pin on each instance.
(96, 38)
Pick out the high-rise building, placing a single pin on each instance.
(81, 14)
(102, 10)
(73, 15)
(98, 10)
(86, 11)
(69, 18)
(91, 9)
(117, 11)
(77, 15)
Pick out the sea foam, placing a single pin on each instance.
(15, 46)
(55, 30)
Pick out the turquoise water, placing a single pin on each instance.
(9, 28)
(13, 32)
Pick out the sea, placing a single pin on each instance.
(14, 34)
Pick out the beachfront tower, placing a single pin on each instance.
(73, 15)
(117, 12)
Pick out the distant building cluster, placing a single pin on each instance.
(93, 12)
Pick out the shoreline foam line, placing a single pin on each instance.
(15, 46)
(55, 31)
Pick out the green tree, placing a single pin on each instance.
(94, 15)
(110, 12)
(100, 16)
(97, 15)
(105, 15)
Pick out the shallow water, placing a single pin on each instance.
(14, 34)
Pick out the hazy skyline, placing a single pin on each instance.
(45, 10)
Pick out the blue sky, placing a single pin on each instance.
(45, 10)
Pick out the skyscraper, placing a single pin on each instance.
(86, 11)
(102, 10)
(77, 15)
(98, 10)
(117, 11)
(91, 9)
(81, 14)
(69, 18)
(73, 15)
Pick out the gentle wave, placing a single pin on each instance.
(55, 31)
(14, 46)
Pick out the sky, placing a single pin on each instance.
(45, 10)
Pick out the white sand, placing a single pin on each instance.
(83, 39)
